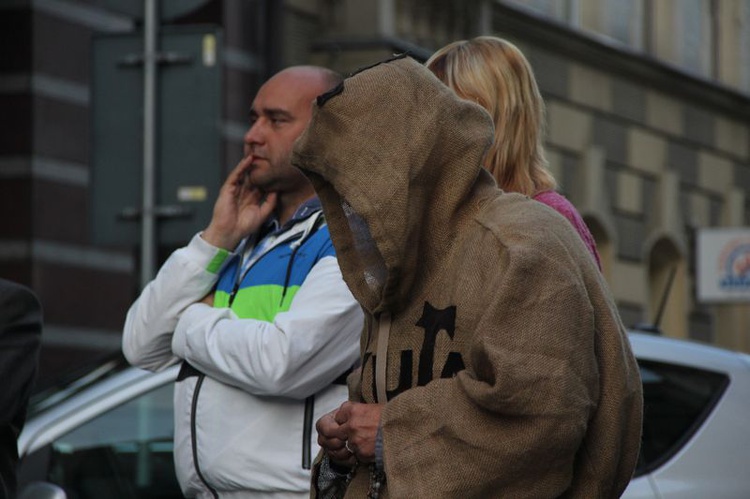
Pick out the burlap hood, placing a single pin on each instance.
(382, 172)
(502, 361)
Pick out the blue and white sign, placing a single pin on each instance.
(723, 265)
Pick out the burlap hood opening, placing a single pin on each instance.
(393, 181)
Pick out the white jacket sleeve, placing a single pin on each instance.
(302, 351)
(185, 278)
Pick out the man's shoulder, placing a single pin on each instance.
(313, 228)
(318, 241)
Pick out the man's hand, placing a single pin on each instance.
(208, 299)
(240, 209)
(350, 432)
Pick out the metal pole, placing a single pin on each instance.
(148, 222)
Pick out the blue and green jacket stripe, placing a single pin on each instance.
(269, 285)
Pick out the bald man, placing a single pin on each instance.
(256, 311)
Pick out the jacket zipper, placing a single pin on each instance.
(309, 415)
(194, 436)
(307, 425)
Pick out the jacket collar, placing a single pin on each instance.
(303, 211)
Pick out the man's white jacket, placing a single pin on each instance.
(250, 389)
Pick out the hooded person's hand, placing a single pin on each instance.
(350, 431)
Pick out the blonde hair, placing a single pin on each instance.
(495, 74)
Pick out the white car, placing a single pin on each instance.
(109, 432)
(105, 434)
(696, 437)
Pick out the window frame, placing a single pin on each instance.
(698, 422)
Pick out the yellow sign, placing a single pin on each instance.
(192, 193)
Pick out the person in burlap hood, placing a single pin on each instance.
(494, 361)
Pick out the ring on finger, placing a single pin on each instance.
(349, 449)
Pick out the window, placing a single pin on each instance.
(677, 401)
(744, 21)
(696, 37)
(563, 11)
(123, 453)
(623, 21)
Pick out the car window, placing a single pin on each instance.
(676, 402)
(123, 453)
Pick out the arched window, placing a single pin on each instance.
(604, 243)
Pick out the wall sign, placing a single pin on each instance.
(723, 265)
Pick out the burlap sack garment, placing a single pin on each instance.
(508, 371)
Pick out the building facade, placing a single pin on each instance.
(48, 139)
(648, 133)
(648, 122)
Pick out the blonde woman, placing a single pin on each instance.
(495, 74)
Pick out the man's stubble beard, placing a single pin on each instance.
(279, 176)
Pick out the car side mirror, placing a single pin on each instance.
(42, 490)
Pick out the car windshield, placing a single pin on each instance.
(75, 381)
